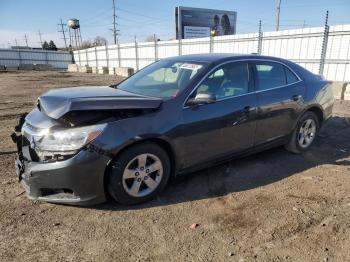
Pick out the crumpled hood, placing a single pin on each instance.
(56, 103)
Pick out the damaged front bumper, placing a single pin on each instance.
(78, 180)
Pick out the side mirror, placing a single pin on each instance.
(202, 99)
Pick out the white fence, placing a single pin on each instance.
(14, 57)
(317, 49)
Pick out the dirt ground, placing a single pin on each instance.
(272, 206)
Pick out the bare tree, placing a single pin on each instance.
(149, 38)
(100, 41)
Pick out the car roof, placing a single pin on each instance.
(219, 57)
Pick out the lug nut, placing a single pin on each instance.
(147, 171)
(139, 180)
(141, 168)
(137, 174)
(146, 177)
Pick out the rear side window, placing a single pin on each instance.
(270, 75)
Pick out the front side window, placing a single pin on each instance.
(163, 79)
(270, 75)
(229, 80)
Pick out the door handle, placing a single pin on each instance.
(247, 109)
(244, 117)
(296, 97)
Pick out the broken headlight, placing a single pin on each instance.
(66, 141)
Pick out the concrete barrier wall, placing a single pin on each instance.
(341, 90)
(347, 92)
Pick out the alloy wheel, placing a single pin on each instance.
(307, 133)
(142, 175)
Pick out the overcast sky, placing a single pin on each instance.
(143, 18)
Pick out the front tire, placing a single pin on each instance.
(139, 174)
(304, 134)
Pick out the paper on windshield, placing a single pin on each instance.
(190, 66)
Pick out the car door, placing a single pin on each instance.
(226, 126)
(280, 96)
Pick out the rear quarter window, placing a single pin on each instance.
(290, 76)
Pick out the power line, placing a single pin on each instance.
(138, 14)
(99, 14)
(63, 31)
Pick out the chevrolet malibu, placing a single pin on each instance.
(173, 117)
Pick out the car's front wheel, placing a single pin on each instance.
(139, 174)
(304, 133)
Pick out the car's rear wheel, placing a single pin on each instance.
(304, 133)
(139, 174)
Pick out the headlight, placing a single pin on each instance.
(66, 141)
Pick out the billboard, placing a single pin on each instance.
(198, 22)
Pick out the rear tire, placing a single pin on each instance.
(139, 174)
(304, 134)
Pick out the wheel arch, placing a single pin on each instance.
(317, 110)
(163, 143)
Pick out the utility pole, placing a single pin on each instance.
(324, 45)
(114, 24)
(41, 41)
(26, 39)
(260, 39)
(63, 32)
(278, 11)
(304, 24)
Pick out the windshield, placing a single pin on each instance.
(163, 79)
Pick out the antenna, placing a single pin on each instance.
(63, 32)
(16, 42)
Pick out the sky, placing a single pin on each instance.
(143, 18)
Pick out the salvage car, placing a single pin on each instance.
(175, 116)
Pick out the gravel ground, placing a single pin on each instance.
(272, 206)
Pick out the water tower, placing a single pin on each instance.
(74, 32)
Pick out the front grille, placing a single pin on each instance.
(38, 105)
(29, 154)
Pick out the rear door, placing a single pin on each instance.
(280, 93)
(226, 126)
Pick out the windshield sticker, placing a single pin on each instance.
(190, 66)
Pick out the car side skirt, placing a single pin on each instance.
(223, 159)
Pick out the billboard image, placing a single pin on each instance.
(198, 22)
